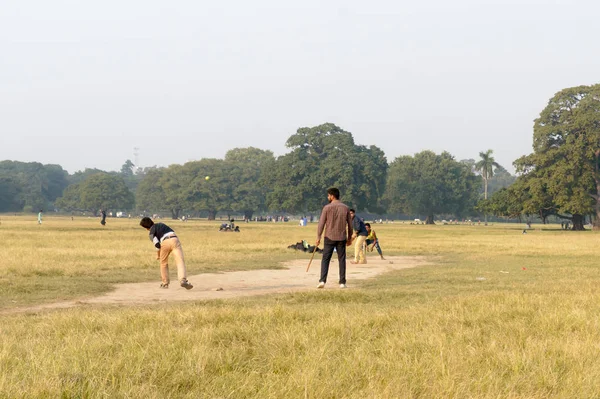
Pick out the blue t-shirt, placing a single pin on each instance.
(359, 227)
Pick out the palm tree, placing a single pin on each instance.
(486, 167)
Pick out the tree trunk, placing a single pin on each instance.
(596, 225)
(485, 184)
(248, 215)
(429, 220)
(212, 215)
(578, 221)
(175, 213)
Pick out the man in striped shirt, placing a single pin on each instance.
(337, 223)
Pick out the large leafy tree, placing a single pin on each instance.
(38, 185)
(232, 185)
(175, 184)
(165, 189)
(103, 191)
(430, 184)
(249, 168)
(81, 175)
(99, 191)
(150, 195)
(504, 203)
(514, 201)
(212, 195)
(10, 193)
(565, 164)
(321, 157)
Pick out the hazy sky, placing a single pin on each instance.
(82, 83)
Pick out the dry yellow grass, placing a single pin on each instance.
(528, 329)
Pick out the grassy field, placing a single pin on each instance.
(499, 315)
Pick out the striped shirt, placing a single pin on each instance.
(336, 216)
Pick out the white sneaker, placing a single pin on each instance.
(321, 285)
(342, 285)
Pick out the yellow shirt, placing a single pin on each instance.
(372, 236)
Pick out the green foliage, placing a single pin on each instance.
(164, 188)
(213, 195)
(127, 169)
(150, 195)
(234, 184)
(30, 185)
(563, 171)
(71, 199)
(80, 176)
(250, 180)
(506, 202)
(10, 192)
(250, 167)
(326, 156)
(485, 166)
(429, 184)
(98, 191)
(501, 179)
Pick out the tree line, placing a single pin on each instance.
(561, 178)
(248, 181)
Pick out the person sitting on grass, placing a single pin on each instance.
(166, 242)
(372, 241)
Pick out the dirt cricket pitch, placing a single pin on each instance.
(238, 284)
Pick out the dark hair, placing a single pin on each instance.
(352, 210)
(146, 222)
(367, 224)
(335, 192)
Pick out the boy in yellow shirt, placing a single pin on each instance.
(372, 240)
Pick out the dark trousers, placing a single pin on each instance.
(340, 247)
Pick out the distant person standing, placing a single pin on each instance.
(359, 238)
(40, 217)
(166, 242)
(334, 220)
(102, 217)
